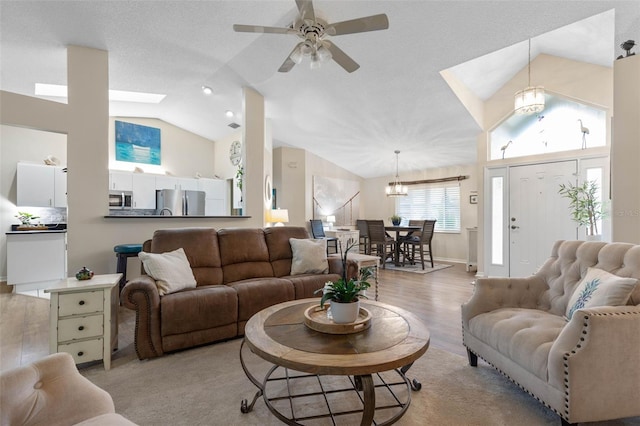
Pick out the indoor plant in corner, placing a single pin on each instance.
(586, 209)
(344, 295)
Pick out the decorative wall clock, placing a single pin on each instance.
(235, 153)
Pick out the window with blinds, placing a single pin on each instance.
(432, 202)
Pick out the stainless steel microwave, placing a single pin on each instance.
(120, 200)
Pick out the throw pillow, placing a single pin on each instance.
(600, 288)
(171, 270)
(309, 256)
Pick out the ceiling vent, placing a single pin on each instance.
(234, 125)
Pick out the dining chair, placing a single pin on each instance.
(421, 240)
(317, 230)
(364, 245)
(379, 241)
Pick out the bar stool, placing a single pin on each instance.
(123, 252)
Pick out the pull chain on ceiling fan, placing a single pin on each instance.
(314, 32)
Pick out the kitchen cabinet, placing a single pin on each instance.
(41, 185)
(144, 191)
(173, 182)
(36, 259)
(84, 318)
(215, 196)
(120, 181)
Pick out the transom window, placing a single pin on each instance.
(563, 125)
(441, 202)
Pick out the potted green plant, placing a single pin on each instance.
(26, 218)
(395, 220)
(344, 294)
(586, 209)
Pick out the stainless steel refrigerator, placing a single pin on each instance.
(175, 202)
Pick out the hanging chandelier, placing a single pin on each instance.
(396, 188)
(529, 100)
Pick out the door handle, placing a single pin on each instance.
(514, 227)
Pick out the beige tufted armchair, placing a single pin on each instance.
(50, 392)
(586, 368)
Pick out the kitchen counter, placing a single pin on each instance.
(150, 216)
(38, 231)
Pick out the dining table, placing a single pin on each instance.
(402, 231)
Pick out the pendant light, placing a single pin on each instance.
(530, 100)
(397, 189)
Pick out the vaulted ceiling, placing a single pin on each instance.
(396, 100)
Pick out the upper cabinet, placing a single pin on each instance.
(144, 191)
(120, 181)
(41, 185)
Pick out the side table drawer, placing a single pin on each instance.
(80, 328)
(80, 303)
(84, 351)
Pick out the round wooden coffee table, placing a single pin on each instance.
(279, 335)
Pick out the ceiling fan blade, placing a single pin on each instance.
(289, 63)
(359, 25)
(341, 58)
(286, 65)
(260, 29)
(305, 7)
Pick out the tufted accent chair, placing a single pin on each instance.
(52, 392)
(585, 369)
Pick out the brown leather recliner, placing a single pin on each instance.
(238, 271)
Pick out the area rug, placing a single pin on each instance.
(205, 386)
(417, 269)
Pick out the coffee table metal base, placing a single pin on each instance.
(364, 386)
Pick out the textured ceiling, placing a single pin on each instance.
(396, 100)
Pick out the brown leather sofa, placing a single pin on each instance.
(238, 271)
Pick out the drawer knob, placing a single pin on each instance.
(81, 328)
(80, 353)
(81, 302)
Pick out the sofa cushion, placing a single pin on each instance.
(244, 254)
(256, 294)
(309, 256)
(280, 255)
(600, 288)
(200, 246)
(305, 285)
(523, 335)
(198, 309)
(171, 270)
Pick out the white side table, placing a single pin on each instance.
(363, 261)
(84, 318)
(346, 238)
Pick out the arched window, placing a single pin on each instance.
(563, 125)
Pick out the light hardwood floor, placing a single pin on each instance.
(435, 297)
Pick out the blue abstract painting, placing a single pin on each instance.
(137, 144)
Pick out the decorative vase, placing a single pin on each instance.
(396, 222)
(84, 274)
(596, 237)
(345, 313)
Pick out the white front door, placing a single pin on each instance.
(538, 215)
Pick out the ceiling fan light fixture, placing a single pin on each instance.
(324, 54)
(296, 55)
(531, 99)
(315, 61)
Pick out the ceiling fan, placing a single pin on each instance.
(314, 32)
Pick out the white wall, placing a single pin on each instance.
(183, 153)
(625, 151)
